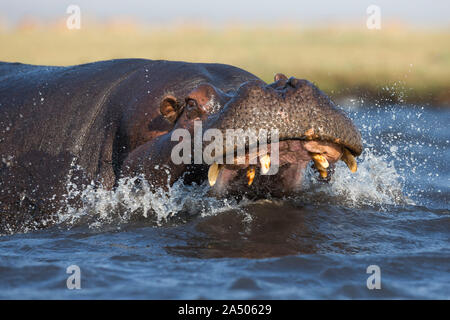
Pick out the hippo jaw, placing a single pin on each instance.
(294, 156)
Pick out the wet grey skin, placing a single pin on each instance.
(107, 120)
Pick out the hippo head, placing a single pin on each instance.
(309, 129)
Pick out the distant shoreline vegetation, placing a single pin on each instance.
(396, 64)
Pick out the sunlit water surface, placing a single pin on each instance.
(181, 244)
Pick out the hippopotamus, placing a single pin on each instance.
(102, 121)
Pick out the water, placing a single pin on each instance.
(180, 244)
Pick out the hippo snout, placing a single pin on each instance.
(296, 108)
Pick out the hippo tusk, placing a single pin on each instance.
(323, 173)
(321, 164)
(320, 159)
(213, 173)
(349, 160)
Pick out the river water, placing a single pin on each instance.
(394, 213)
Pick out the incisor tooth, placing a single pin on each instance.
(318, 158)
(349, 160)
(250, 175)
(213, 173)
(265, 164)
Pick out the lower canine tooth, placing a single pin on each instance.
(265, 164)
(250, 175)
(323, 173)
(349, 160)
(318, 158)
(213, 173)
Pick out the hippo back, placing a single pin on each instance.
(54, 120)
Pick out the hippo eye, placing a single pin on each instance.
(192, 109)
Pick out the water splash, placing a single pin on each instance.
(376, 184)
(415, 139)
(135, 199)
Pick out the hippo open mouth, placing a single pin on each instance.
(293, 158)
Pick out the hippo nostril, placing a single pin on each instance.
(192, 109)
(293, 82)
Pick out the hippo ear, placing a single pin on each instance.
(279, 76)
(170, 108)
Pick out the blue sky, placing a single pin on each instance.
(415, 12)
